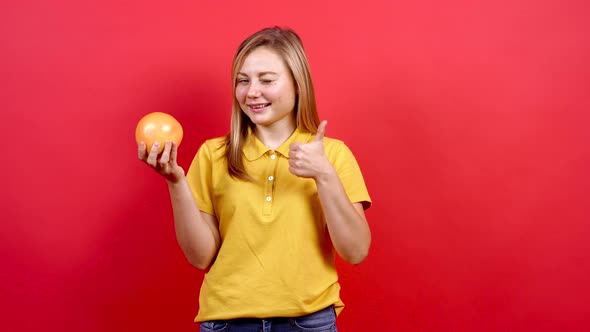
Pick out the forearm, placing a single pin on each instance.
(195, 236)
(348, 227)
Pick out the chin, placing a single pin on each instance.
(259, 119)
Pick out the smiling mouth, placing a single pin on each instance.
(258, 106)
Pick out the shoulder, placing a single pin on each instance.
(337, 151)
(214, 145)
(211, 150)
(334, 145)
(332, 142)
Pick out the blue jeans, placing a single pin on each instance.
(320, 321)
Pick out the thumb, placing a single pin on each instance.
(319, 136)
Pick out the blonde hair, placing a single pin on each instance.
(287, 44)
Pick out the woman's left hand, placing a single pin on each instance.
(308, 160)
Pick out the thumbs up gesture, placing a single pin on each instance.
(308, 160)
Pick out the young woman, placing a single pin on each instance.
(263, 208)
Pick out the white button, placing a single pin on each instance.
(270, 178)
(272, 156)
(268, 199)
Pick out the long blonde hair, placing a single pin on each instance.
(287, 44)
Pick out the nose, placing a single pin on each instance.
(253, 91)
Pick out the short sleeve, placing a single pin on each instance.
(199, 177)
(351, 176)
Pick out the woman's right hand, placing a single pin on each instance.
(166, 165)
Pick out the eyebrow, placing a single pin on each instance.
(260, 74)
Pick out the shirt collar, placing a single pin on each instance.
(254, 148)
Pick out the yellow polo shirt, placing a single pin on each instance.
(276, 258)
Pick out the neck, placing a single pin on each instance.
(275, 135)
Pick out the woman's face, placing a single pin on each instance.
(265, 90)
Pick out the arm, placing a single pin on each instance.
(346, 222)
(196, 232)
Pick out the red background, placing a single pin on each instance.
(468, 118)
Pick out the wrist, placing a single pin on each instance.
(175, 178)
(325, 176)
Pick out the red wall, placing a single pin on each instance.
(469, 120)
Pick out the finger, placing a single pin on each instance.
(319, 136)
(141, 151)
(298, 153)
(295, 146)
(166, 154)
(153, 156)
(174, 152)
(295, 163)
(297, 171)
(293, 170)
